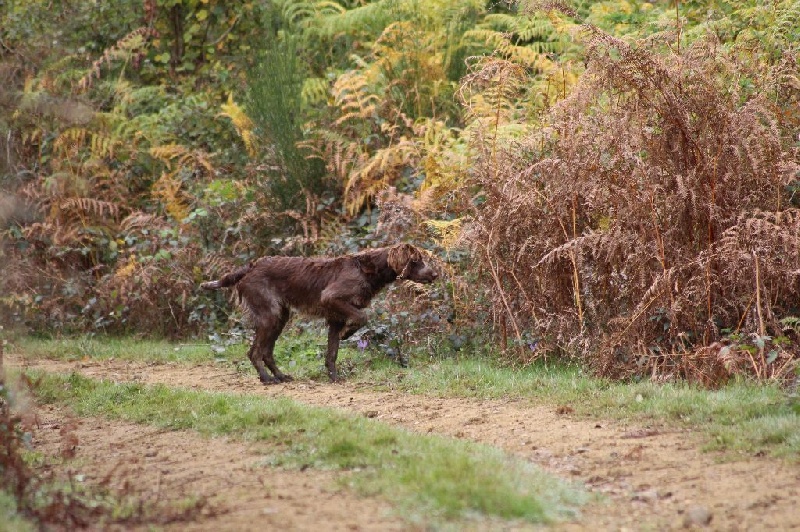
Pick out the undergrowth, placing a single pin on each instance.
(650, 225)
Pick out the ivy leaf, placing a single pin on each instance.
(202, 15)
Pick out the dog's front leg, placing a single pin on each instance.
(334, 329)
(335, 304)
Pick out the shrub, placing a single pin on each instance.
(652, 218)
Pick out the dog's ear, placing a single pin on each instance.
(401, 255)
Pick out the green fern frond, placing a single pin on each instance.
(132, 43)
(315, 91)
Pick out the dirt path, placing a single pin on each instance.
(654, 478)
(171, 467)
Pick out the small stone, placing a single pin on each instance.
(697, 516)
(649, 496)
(371, 413)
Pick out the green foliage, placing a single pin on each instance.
(274, 103)
(12, 520)
(107, 347)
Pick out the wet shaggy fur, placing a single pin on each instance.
(336, 289)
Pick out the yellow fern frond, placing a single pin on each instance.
(242, 123)
(177, 156)
(127, 269)
(168, 152)
(70, 140)
(168, 189)
(352, 95)
(381, 169)
(446, 232)
(102, 145)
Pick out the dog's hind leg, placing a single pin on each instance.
(268, 347)
(262, 334)
(334, 330)
(269, 318)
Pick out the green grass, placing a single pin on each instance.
(128, 349)
(742, 416)
(10, 519)
(436, 477)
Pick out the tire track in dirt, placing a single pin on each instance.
(171, 466)
(654, 477)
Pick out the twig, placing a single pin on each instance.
(573, 257)
(761, 328)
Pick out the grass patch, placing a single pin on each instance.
(128, 349)
(444, 478)
(300, 355)
(10, 519)
(741, 416)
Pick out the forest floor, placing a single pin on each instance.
(650, 477)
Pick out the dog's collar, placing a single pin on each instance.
(402, 274)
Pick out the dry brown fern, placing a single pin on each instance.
(648, 219)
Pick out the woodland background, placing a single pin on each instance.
(616, 182)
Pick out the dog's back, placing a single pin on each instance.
(299, 282)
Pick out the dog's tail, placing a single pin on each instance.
(229, 279)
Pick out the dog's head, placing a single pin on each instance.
(408, 262)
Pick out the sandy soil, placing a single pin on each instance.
(168, 468)
(654, 478)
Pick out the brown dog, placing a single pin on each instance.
(336, 289)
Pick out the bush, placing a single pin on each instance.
(652, 219)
